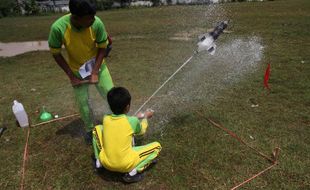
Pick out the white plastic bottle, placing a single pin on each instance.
(20, 114)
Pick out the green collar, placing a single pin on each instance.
(119, 115)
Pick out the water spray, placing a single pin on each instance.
(164, 83)
(205, 43)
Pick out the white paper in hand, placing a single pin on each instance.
(86, 69)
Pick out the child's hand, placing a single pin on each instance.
(149, 113)
(140, 115)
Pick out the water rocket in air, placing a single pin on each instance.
(206, 41)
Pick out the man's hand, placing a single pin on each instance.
(99, 58)
(60, 60)
(93, 78)
(75, 81)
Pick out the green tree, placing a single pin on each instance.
(31, 7)
(104, 4)
(7, 7)
(156, 2)
(124, 3)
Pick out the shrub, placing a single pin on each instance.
(7, 7)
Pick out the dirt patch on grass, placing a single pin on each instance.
(128, 37)
(16, 48)
(188, 35)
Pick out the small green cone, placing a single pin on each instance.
(45, 116)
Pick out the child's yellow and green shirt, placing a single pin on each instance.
(81, 44)
(117, 153)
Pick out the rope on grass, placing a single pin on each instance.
(254, 176)
(26, 149)
(58, 119)
(235, 136)
(273, 160)
(25, 157)
(239, 139)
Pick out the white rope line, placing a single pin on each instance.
(164, 84)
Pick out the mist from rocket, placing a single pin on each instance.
(210, 70)
(206, 42)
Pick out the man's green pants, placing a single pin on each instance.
(82, 97)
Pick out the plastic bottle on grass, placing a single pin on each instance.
(20, 114)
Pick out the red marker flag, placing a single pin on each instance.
(266, 78)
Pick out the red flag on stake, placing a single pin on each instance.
(266, 78)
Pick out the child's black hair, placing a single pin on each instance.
(82, 7)
(118, 99)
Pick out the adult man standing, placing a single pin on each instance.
(86, 41)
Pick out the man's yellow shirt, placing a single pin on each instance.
(80, 44)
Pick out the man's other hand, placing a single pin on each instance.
(76, 81)
(93, 78)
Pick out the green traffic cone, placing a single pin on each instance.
(45, 116)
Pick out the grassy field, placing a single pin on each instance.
(195, 154)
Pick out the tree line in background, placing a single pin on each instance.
(34, 7)
(18, 7)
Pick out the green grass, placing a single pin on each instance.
(195, 154)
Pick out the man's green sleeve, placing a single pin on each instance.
(55, 39)
(101, 34)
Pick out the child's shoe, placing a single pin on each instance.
(154, 161)
(131, 179)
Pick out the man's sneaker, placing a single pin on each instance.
(131, 179)
(88, 138)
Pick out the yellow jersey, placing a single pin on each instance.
(80, 44)
(117, 153)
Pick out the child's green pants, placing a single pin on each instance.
(81, 94)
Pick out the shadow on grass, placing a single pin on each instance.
(75, 129)
(107, 175)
